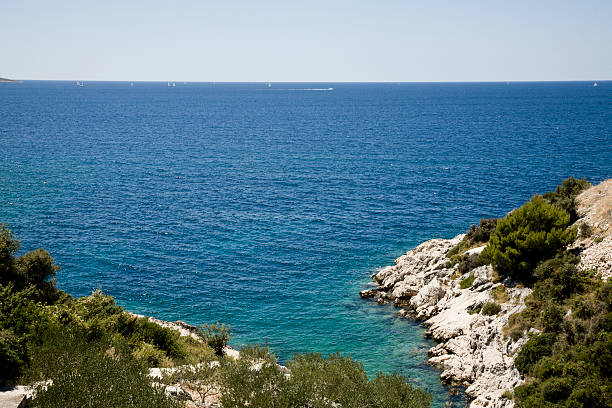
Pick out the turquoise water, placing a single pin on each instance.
(268, 208)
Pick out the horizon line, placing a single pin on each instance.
(309, 81)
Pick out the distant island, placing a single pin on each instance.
(10, 80)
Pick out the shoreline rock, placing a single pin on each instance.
(472, 350)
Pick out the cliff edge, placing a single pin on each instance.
(473, 350)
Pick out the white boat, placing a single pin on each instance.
(595, 84)
(168, 83)
(79, 83)
(269, 84)
(173, 84)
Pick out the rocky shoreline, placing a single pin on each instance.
(472, 348)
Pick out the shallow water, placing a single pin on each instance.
(268, 208)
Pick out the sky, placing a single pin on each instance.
(313, 41)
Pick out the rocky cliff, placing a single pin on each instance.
(473, 350)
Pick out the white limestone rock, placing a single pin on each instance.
(472, 349)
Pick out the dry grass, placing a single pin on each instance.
(500, 294)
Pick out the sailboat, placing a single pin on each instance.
(79, 83)
(595, 84)
(269, 84)
(168, 83)
(173, 84)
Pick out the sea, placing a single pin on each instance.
(269, 207)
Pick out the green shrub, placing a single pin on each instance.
(482, 233)
(12, 356)
(585, 230)
(393, 391)
(318, 382)
(467, 282)
(9, 245)
(243, 386)
(537, 346)
(552, 317)
(163, 338)
(532, 233)
(100, 374)
(468, 263)
(475, 308)
(564, 196)
(216, 336)
(476, 235)
(491, 308)
(151, 355)
(556, 389)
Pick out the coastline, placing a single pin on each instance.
(473, 349)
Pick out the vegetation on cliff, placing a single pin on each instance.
(89, 352)
(566, 361)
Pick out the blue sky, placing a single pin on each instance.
(307, 41)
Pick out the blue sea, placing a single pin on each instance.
(268, 208)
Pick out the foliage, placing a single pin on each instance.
(101, 373)
(537, 346)
(20, 319)
(242, 384)
(468, 263)
(477, 235)
(98, 355)
(467, 282)
(315, 381)
(585, 230)
(216, 336)
(569, 363)
(564, 196)
(532, 233)
(490, 309)
(33, 269)
(140, 330)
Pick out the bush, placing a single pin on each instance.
(9, 246)
(537, 346)
(468, 263)
(491, 308)
(324, 382)
(216, 336)
(242, 385)
(12, 356)
(482, 233)
(467, 282)
(585, 230)
(556, 389)
(532, 233)
(564, 196)
(476, 235)
(552, 317)
(100, 374)
(139, 330)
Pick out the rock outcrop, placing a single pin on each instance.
(595, 210)
(472, 349)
